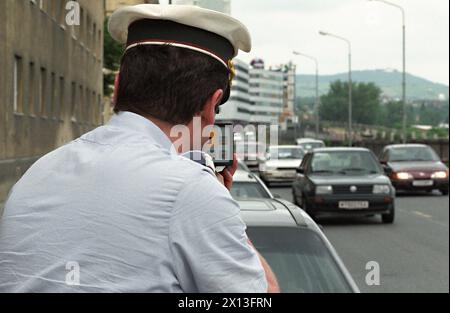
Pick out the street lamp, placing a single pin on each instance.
(350, 87)
(404, 62)
(317, 104)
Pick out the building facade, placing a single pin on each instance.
(239, 108)
(51, 87)
(260, 95)
(223, 6)
(112, 5)
(266, 95)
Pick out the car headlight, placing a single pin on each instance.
(403, 176)
(440, 175)
(324, 190)
(382, 189)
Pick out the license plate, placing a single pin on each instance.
(353, 205)
(423, 183)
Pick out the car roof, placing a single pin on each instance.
(273, 213)
(406, 145)
(341, 149)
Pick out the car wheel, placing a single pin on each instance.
(444, 192)
(389, 218)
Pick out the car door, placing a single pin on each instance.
(301, 179)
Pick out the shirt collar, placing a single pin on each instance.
(140, 124)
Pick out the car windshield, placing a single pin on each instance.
(300, 260)
(243, 167)
(344, 163)
(412, 154)
(246, 190)
(308, 146)
(286, 153)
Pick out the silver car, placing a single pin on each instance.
(303, 259)
(281, 164)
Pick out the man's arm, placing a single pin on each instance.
(272, 281)
(226, 178)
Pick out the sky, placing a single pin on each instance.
(280, 26)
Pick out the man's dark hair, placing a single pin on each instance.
(168, 83)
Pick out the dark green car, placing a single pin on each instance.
(344, 181)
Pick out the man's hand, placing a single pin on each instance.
(226, 176)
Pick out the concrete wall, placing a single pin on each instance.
(71, 102)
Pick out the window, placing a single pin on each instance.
(61, 99)
(86, 106)
(73, 102)
(80, 29)
(43, 93)
(94, 109)
(80, 104)
(53, 90)
(32, 90)
(18, 85)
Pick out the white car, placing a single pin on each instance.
(281, 164)
(308, 144)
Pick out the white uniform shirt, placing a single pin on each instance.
(117, 210)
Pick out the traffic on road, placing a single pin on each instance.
(329, 204)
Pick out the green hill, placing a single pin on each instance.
(388, 80)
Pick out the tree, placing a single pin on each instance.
(366, 103)
(113, 52)
(391, 114)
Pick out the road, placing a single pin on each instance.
(413, 254)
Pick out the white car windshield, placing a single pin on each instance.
(287, 153)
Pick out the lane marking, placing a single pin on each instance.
(418, 213)
(424, 216)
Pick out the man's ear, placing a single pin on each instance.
(209, 111)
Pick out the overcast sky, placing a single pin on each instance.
(280, 26)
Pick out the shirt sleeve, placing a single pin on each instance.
(209, 244)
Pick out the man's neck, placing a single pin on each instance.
(167, 128)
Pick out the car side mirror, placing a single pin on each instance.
(300, 171)
(387, 169)
(445, 161)
(276, 196)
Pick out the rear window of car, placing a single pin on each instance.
(300, 260)
(248, 190)
(412, 154)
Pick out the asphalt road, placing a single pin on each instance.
(413, 254)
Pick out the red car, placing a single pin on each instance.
(415, 167)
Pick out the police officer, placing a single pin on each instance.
(119, 209)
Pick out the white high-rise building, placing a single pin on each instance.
(266, 95)
(259, 95)
(238, 109)
(223, 6)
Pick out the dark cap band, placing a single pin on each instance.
(172, 32)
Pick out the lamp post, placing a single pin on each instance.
(317, 102)
(404, 62)
(350, 83)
